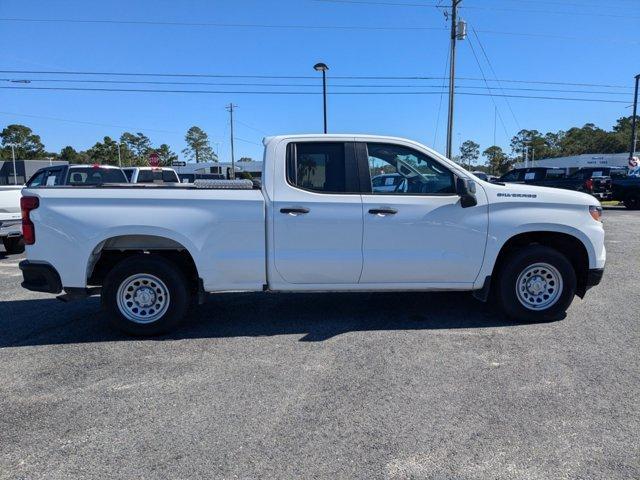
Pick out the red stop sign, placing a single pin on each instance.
(154, 160)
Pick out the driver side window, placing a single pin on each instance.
(399, 170)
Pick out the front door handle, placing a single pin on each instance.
(383, 211)
(294, 211)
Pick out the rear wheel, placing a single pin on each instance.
(145, 295)
(13, 245)
(536, 283)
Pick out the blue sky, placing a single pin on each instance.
(580, 41)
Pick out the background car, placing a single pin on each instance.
(151, 175)
(76, 175)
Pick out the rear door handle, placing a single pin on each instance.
(294, 211)
(383, 211)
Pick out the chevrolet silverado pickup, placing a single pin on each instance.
(315, 224)
(10, 219)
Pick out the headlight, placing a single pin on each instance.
(596, 213)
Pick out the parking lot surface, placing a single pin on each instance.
(411, 385)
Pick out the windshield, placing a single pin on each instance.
(95, 176)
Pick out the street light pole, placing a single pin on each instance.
(230, 108)
(634, 123)
(13, 155)
(321, 67)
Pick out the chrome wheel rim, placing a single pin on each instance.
(539, 286)
(143, 298)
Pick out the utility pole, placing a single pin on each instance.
(526, 156)
(119, 156)
(458, 32)
(634, 123)
(230, 108)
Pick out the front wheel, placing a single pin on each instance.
(536, 283)
(145, 295)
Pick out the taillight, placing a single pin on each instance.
(28, 229)
(588, 184)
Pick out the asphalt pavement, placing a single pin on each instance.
(393, 385)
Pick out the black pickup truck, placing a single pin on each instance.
(627, 190)
(595, 181)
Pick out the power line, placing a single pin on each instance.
(301, 77)
(214, 24)
(283, 85)
(128, 127)
(477, 7)
(484, 52)
(495, 104)
(444, 79)
(307, 27)
(226, 92)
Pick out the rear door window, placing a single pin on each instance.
(321, 167)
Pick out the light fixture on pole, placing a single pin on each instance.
(322, 67)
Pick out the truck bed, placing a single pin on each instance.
(224, 230)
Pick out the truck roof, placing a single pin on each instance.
(330, 136)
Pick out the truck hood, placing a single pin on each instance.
(510, 192)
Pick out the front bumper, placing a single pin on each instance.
(40, 277)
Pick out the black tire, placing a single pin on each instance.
(632, 202)
(13, 245)
(168, 273)
(518, 262)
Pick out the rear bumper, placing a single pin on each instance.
(594, 277)
(10, 228)
(40, 277)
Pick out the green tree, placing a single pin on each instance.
(198, 147)
(469, 152)
(69, 154)
(166, 156)
(245, 159)
(27, 144)
(497, 161)
(135, 148)
(105, 152)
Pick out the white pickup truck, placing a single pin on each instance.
(10, 218)
(316, 224)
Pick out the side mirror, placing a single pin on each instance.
(466, 189)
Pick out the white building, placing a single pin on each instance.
(574, 162)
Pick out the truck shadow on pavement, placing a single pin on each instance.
(316, 316)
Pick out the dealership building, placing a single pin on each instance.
(574, 162)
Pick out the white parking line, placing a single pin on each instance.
(6, 264)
